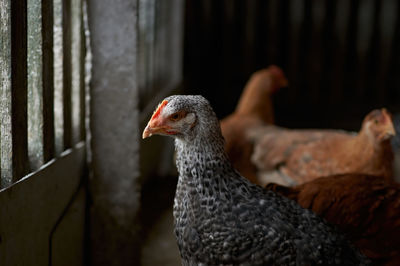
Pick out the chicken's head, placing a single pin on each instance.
(182, 116)
(379, 125)
(272, 78)
(278, 76)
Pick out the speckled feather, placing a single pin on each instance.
(223, 219)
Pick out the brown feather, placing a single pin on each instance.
(254, 109)
(304, 155)
(366, 208)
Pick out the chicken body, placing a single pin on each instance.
(366, 208)
(291, 157)
(255, 108)
(223, 219)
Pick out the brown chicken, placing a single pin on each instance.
(254, 109)
(291, 157)
(366, 208)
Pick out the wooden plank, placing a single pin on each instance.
(304, 48)
(315, 55)
(364, 39)
(393, 79)
(329, 48)
(35, 84)
(83, 74)
(19, 88)
(76, 72)
(387, 35)
(296, 10)
(67, 75)
(343, 7)
(58, 75)
(5, 94)
(24, 213)
(48, 80)
(146, 49)
(349, 67)
(76, 40)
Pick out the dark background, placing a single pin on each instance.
(341, 57)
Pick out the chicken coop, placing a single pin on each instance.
(80, 80)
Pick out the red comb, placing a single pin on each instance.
(159, 109)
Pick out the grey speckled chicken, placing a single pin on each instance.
(223, 219)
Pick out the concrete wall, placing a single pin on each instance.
(115, 133)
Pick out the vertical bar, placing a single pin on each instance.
(296, 11)
(393, 75)
(249, 37)
(58, 56)
(373, 57)
(48, 80)
(67, 74)
(365, 26)
(304, 48)
(83, 74)
(283, 36)
(349, 67)
(35, 84)
(315, 51)
(76, 33)
(388, 33)
(343, 9)
(5, 94)
(146, 48)
(329, 44)
(273, 28)
(19, 88)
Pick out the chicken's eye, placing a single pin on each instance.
(376, 121)
(175, 117)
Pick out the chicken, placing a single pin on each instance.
(254, 109)
(221, 218)
(366, 208)
(291, 157)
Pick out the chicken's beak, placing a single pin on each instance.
(156, 124)
(157, 127)
(388, 133)
(152, 129)
(284, 83)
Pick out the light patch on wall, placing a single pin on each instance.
(76, 34)
(58, 76)
(5, 94)
(35, 85)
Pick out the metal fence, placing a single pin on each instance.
(42, 103)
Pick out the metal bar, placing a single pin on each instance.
(48, 80)
(329, 44)
(5, 94)
(35, 83)
(67, 75)
(349, 67)
(82, 96)
(19, 88)
(58, 70)
(393, 76)
(76, 40)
